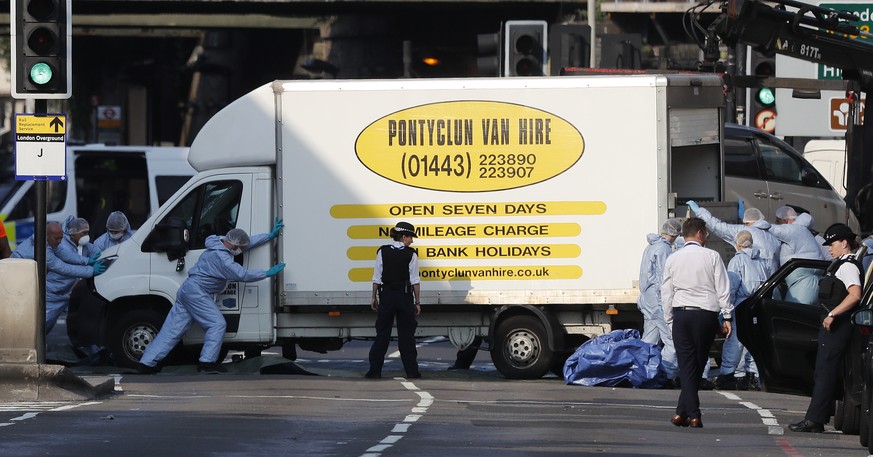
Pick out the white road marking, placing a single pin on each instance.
(32, 409)
(395, 436)
(767, 417)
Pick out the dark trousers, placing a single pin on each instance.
(693, 334)
(828, 365)
(399, 305)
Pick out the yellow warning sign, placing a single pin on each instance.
(29, 125)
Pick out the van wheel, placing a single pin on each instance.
(521, 350)
(132, 333)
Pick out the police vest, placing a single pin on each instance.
(395, 267)
(832, 291)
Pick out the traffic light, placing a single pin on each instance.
(488, 60)
(41, 48)
(763, 99)
(569, 46)
(525, 48)
(621, 51)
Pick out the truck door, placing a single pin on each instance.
(211, 208)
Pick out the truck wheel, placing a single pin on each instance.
(132, 333)
(521, 350)
(864, 426)
(851, 419)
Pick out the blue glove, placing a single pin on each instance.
(275, 269)
(693, 205)
(741, 209)
(277, 227)
(99, 268)
(94, 257)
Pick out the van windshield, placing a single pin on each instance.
(8, 186)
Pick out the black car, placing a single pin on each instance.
(783, 338)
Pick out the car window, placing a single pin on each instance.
(740, 160)
(779, 165)
(216, 205)
(785, 166)
(56, 197)
(800, 286)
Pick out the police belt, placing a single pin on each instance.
(397, 286)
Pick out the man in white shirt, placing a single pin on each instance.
(695, 289)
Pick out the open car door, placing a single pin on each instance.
(782, 334)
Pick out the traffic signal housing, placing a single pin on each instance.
(525, 48)
(41, 32)
(621, 51)
(569, 47)
(488, 59)
(763, 98)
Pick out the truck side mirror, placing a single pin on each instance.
(863, 318)
(808, 177)
(170, 236)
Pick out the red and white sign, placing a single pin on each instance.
(766, 120)
(109, 117)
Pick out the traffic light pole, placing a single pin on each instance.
(39, 251)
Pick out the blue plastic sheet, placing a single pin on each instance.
(618, 358)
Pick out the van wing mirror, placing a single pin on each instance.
(809, 177)
(170, 236)
(863, 318)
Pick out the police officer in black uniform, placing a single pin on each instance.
(396, 293)
(839, 293)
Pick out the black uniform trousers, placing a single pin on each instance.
(400, 305)
(693, 333)
(832, 345)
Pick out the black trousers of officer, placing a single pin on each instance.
(399, 305)
(693, 333)
(832, 345)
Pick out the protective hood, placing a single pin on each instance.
(653, 238)
(761, 224)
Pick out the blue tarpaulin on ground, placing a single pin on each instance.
(618, 358)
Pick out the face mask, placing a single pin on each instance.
(236, 252)
(116, 236)
(84, 240)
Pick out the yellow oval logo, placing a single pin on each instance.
(469, 146)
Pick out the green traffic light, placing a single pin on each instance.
(41, 73)
(766, 96)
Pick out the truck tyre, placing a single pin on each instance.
(851, 418)
(864, 425)
(521, 349)
(839, 409)
(132, 333)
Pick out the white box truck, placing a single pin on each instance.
(531, 196)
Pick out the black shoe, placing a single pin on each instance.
(145, 369)
(748, 382)
(211, 368)
(807, 426)
(705, 384)
(456, 368)
(726, 382)
(671, 384)
(371, 375)
(416, 375)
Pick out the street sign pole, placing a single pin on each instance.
(39, 245)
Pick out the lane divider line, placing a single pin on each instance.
(397, 433)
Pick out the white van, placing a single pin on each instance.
(100, 179)
(829, 158)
